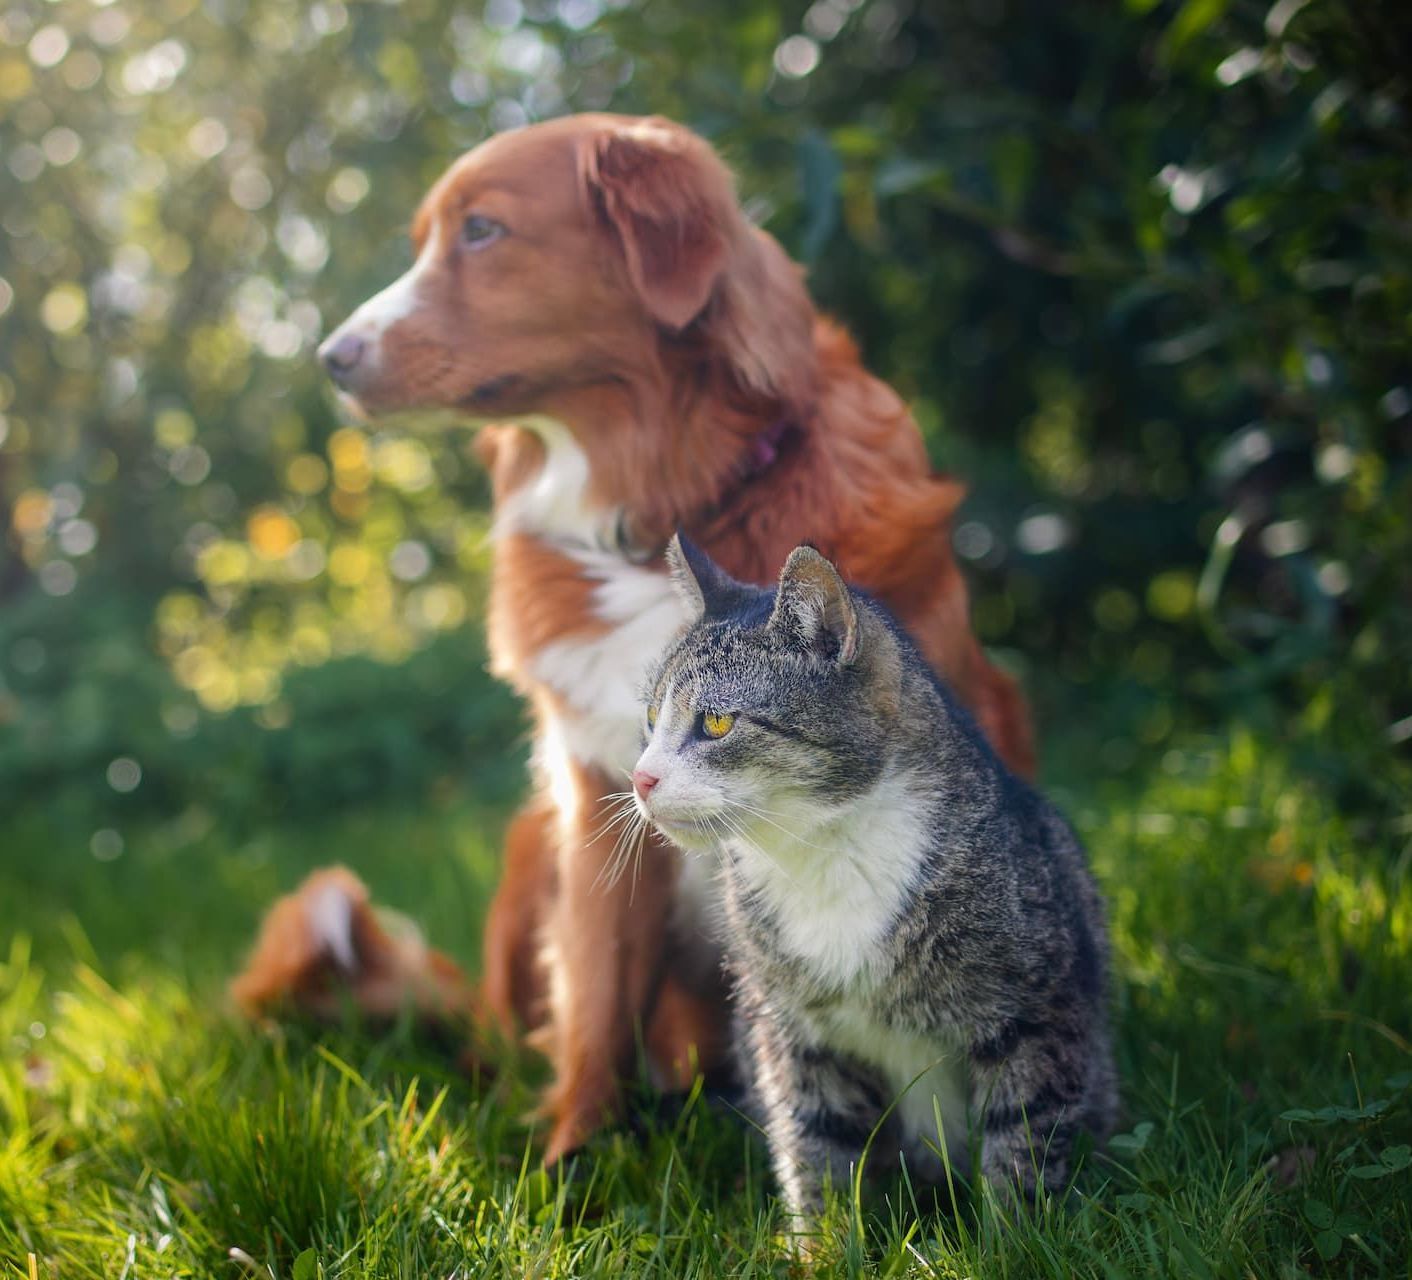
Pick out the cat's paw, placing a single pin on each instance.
(1017, 1176)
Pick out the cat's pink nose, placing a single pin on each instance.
(643, 782)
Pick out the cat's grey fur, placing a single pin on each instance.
(900, 909)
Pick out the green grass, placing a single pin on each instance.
(1264, 967)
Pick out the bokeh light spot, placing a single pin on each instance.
(109, 26)
(1335, 462)
(61, 146)
(82, 69)
(438, 607)
(77, 537)
(190, 465)
(305, 561)
(405, 465)
(271, 533)
(503, 15)
(825, 19)
(410, 561)
(347, 190)
(223, 563)
(1334, 578)
(796, 57)
(26, 162)
(174, 428)
(1171, 596)
(578, 15)
(124, 774)
(306, 474)
(31, 512)
(250, 189)
(349, 565)
(156, 70)
(1042, 533)
(64, 309)
(106, 844)
(48, 46)
(973, 540)
(57, 578)
(207, 138)
(1284, 537)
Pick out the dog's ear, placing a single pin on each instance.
(668, 199)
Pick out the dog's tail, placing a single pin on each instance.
(325, 945)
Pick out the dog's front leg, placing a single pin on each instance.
(514, 984)
(604, 953)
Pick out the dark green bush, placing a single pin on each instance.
(91, 701)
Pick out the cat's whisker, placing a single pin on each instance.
(793, 835)
(737, 831)
(857, 865)
(625, 849)
(620, 808)
(622, 814)
(633, 846)
(617, 861)
(632, 839)
(644, 834)
(613, 820)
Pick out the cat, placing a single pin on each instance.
(912, 931)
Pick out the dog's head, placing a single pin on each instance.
(564, 255)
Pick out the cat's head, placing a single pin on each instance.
(772, 710)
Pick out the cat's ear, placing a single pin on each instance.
(813, 607)
(709, 591)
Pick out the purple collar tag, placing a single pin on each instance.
(765, 448)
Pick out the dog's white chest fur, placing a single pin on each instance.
(597, 680)
(601, 679)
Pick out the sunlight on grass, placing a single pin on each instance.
(1261, 1013)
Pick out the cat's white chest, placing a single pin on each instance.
(924, 1075)
(835, 892)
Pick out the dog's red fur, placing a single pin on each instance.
(325, 942)
(631, 301)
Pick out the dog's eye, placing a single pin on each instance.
(479, 231)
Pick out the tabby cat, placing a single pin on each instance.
(912, 930)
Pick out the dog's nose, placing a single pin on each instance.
(340, 355)
(643, 782)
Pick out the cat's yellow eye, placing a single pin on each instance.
(651, 717)
(715, 725)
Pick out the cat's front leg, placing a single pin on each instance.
(1029, 1085)
(819, 1110)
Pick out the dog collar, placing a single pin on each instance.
(765, 449)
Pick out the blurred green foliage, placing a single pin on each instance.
(1143, 270)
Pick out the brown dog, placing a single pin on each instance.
(594, 279)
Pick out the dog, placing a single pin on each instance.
(650, 361)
